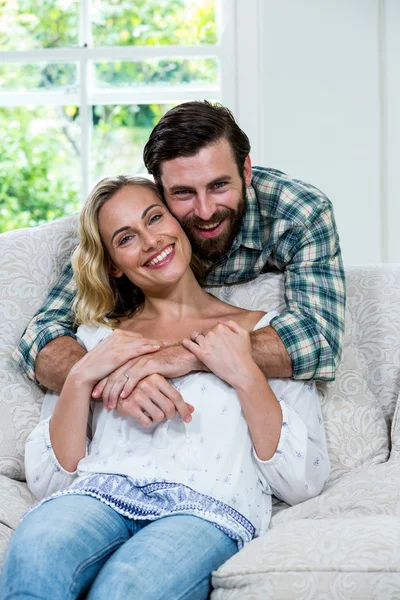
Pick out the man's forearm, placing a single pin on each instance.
(55, 361)
(270, 354)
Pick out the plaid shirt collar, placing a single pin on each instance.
(253, 228)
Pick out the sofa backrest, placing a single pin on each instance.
(364, 393)
(31, 260)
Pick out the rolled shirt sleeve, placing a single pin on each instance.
(312, 327)
(44, 474)
(300, 466)
(54, 319)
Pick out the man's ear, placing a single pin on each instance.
(114, 272)
(247, 172)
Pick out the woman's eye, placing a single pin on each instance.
(125, 239)
(155, 218)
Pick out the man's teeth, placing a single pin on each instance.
(161, 256)
(213, 226)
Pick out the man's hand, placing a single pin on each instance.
(169, 361)
(154, 399)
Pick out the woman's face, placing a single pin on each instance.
(144, 240)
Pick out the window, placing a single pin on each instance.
(82, 84)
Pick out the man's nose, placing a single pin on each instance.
(204, 207)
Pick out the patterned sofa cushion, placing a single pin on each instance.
(395, 433)
(30, 262)
(338, 559)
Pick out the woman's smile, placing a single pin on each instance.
(159, 260)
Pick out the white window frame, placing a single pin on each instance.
(224, 91)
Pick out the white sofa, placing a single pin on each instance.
(345, 544)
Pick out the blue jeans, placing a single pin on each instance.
(76, 545)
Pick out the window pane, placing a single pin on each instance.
(119, 136)
(189, 72)
(39, 165)
(39, 76)
(152, 22)
(28, 24)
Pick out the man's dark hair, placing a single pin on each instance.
(187, 128)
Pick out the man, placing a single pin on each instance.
(241, 221)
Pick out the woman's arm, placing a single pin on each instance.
(300, 466)
(226, 351)
(261, 410)
(284, 416)
(69, 421)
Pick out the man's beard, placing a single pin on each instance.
(211, 249)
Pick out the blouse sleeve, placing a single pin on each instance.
(44, 474)
(300, 465)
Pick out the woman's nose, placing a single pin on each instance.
(149, 240)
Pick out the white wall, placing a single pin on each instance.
(391, 127)
(317, 81)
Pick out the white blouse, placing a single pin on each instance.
(207, 468)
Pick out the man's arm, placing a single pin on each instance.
(55, 361)
(270, 354)
(53, 320)
(312, 327)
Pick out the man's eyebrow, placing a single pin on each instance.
(126, 227)
(177, 188)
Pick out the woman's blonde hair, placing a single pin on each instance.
(99, 295)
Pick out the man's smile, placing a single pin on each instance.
(210, 230)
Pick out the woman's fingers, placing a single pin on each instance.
(192, 347)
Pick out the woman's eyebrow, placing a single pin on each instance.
(124, 228)
(146, 210)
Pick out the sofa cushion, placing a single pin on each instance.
(395, 433)
(15, 499)
(312, 559)
(373, 299)
(30, 262)
(5, 536)
(371, 491)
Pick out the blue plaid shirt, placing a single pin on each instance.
(289, 226)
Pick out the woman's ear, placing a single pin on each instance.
(114, 272)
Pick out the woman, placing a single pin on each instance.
(150, 511)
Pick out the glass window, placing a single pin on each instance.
(38, 76)
(83, 83)
(119, 136)
(153, 22)
(181, 71)
(29, 25)
(39, 164)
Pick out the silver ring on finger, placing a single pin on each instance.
(196, 336)
(126, 375)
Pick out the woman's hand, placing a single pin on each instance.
(226, 351)
(113, 352)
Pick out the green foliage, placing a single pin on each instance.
(38, 180)
(39, 147)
